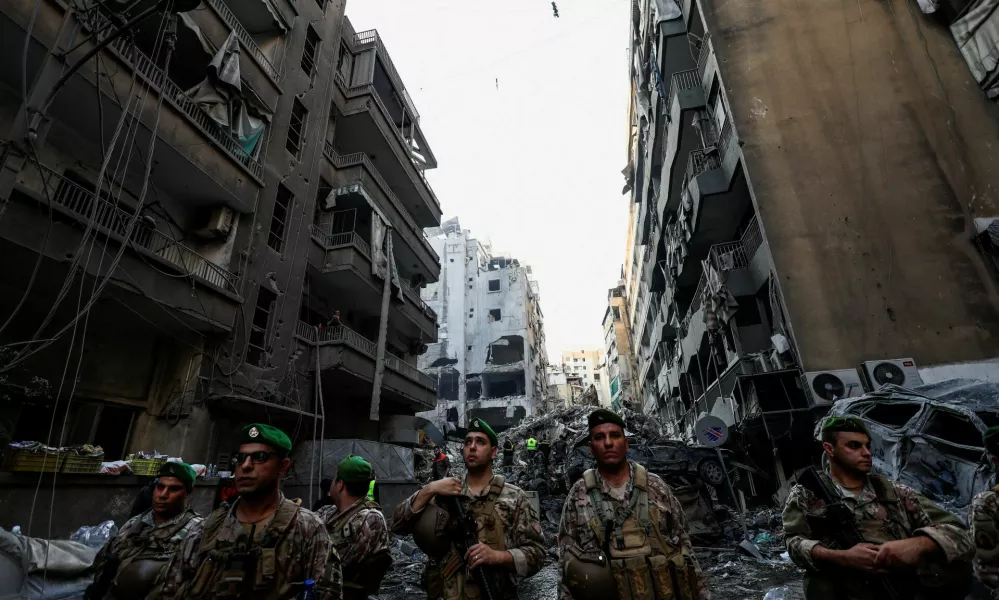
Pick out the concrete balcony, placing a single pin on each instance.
(197, 162)
(155, 274)
(341, 268)
(256, 68)
(745, 263)
(686, 95)
(346, 357)
(356, 171)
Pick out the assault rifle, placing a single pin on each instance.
(842, 527)
(468, 537)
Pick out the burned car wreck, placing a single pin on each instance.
(930, 437)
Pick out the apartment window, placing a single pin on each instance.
(617, 313)
(345, 64)
(324, 191)
(310, 52)
(279, 218)
(256, 346)
(494, 315)
(296, 129)
(494, 285)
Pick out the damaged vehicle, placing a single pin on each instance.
(662, 458)
(930, 437)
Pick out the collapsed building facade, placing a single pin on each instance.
(217, 220)
(489, 360)
(804, 226)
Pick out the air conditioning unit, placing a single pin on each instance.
(219, 224)
(826, 387)
(899, 371)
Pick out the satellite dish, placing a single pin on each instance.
(711, 431)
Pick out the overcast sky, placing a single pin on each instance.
(535, 165)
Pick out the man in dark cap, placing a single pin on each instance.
(622, 514)
(357, 528)
(264, 546)
(901, 529)
(984, 519)
(131, 563)
(510, 546)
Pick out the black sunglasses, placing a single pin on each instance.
(258, 458)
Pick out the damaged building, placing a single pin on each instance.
(618, 359)
(217, 219)
(489, 359)
(804, 226)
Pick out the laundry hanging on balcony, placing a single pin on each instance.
(717, 298)
(382, 258)
(665, 10)
(977, 36)
(222, 97)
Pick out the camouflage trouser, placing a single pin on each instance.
(843, 586)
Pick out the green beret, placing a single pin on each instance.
(991, 436)
(354, 469)
(845, 424)
(483, 427)
(603, 416)
(259, 433)
(182, 471)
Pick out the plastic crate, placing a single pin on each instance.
(75, 463)
(146, 466)
(36, 462)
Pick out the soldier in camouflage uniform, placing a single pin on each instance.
(511, 544)
(984, 519)
(903, 529)
(263, 547)
(623, 534)
(131, 564)
(359, 532)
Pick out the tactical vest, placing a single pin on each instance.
(874, 530)
(643, 563)
(243, 568)
(986, 536)
(144, 557)
(447, 579)
(367, 577)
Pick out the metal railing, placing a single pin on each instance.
(360, 159)
(695, 302)
(129, 53)
(702, 56)
(244, 37)
(700, 161)
(683, 80)
(110, 219)
(414, 297)
(737, 255)
(341, 334)
(371, 36)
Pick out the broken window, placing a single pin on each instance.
(506, 350)
(256, 346)
(296, 128)
(473, 390)
(894, 415)
(324, 191)
(494, 285)
(345, 63)
(494, 315)
(617, 313)
(279, 218)
(954, 428)
(310, 51)
(447, 385)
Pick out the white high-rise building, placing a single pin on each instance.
(489, 359)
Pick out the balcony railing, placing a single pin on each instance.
(683, 80)
(370, 36)
(695, 302)
(702, 56)
(129, 53)
(110, 219)
(700, 161)
(360, 159)
(414, 297)
(737, 255)
(342, 334)
(244, 37)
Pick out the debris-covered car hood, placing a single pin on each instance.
(930, 437)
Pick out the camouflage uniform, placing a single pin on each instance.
(361, 538)
(218, 560)
(984, 519)
(880, 519)
(140, 538)
(511, 525)
(581, 520)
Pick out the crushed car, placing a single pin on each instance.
(930, 437)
